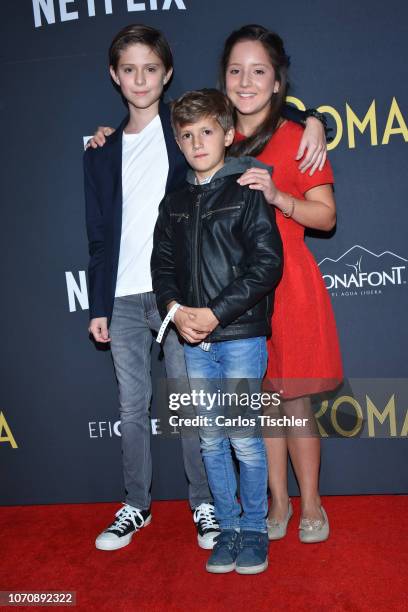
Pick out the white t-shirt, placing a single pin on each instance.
(145, 167)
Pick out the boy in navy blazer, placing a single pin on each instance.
(124, 183)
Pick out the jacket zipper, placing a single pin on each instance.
(179, 216)
(213, 212)
(196, 248)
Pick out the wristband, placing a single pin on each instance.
(312, 112)
(169, 317)
(288, 213)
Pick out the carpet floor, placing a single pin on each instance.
(363, 566)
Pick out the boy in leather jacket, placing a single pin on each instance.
(217, 257)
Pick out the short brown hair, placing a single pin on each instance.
(142, 34)
(194, 105)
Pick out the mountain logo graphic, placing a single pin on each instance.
(359, 268)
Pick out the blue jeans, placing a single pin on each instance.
(244, 361)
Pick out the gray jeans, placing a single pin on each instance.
(133, 320)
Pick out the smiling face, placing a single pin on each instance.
(141, 75)
(203, 145)
(250, 79)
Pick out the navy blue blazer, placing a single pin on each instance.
(103, 199)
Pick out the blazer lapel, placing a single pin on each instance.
(171, 145)
(115, 154)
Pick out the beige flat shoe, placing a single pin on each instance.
(311, 531)
(276, 529)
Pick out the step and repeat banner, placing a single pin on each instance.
(59, 423)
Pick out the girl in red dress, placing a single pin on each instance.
(304, 355)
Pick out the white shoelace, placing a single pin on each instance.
(125, 514)
(204, 513)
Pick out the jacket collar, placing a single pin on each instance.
(232, 165)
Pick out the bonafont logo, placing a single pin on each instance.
(361, 272)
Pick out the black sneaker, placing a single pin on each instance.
(207, 526)
(129, 520)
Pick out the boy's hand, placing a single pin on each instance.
(98, 139)
(204, 319)
(185, 323)
(314, 141)
(98, 328)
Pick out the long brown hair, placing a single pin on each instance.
(273, 45)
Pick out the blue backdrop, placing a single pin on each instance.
(59, 437)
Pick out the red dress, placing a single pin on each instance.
(303, 352)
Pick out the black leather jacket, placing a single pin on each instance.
(218, 246)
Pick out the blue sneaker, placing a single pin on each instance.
(252, 557)
(222, 559)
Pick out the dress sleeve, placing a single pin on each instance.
(304, 182)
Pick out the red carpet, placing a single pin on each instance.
(363, 566)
